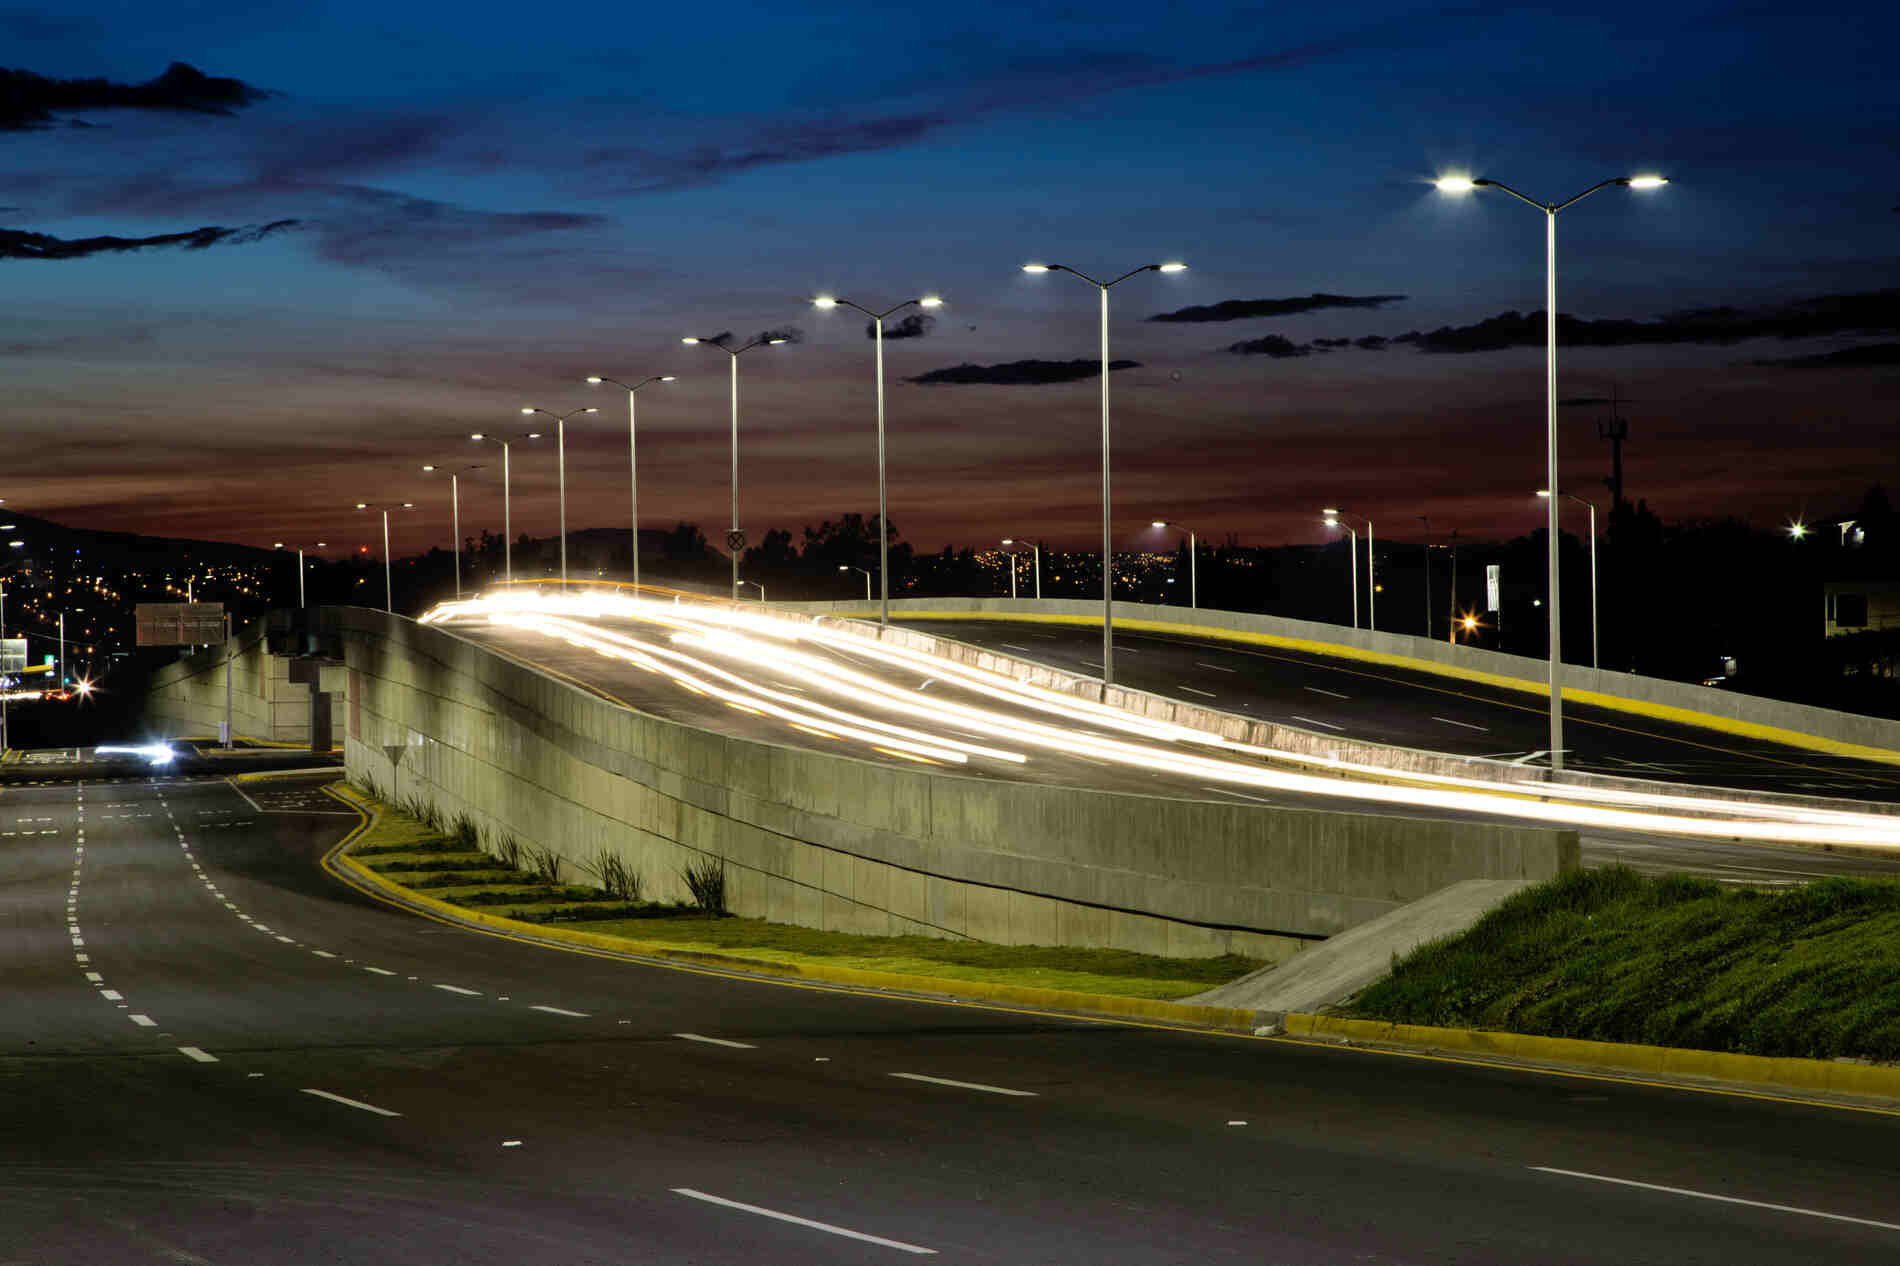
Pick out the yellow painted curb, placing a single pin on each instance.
(267, 774)
(1615, 703)
(1813, 1075)
(1233, 1018)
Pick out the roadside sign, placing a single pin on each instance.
(179, 623)
(1491, 602)
(735, 540)
(13, 655)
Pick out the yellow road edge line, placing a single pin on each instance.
(265, 775)
(1614, 703)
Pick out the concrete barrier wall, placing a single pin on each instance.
(827, 841)
(1799, 725)
(186, 698)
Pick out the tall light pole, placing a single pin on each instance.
(1463, 185)
(560, 443)
(1352, 552)
(1108, 557)
(1372, 568)
(507, 502)
(633, 460)
(735, 539)
(300, 550)
(1426, 519)
(389, 594)
(867, 577)
(1035, 550)
(883, 510)
(455, 516)
(1193, 554)
(1595, 662)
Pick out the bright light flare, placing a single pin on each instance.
(1174, 267)
(1647, 182)
(930, 301)
(1455, 184)
(824, 301)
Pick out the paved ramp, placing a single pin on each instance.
(1343, 965)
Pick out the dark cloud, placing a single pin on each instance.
(1271, 345)
(1023, 372)
(916, 325)
(1874, 312)
(1846, 358)
(1371, 343)
(1327, 344)
(30, 101)
(653, 170)
(784, 334)
(20, 244)
(1243, 309)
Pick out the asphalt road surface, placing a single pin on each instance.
(212, 1052)
(654, 693)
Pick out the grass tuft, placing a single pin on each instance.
(706, 880)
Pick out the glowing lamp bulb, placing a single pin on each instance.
(1171, 268)
(1035, 268)
(930, 301)
(1455, 184)
(824, 301)
(1647, 182)
(689, 340)
(594, 378)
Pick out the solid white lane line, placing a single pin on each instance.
(1013, 647)
(716, 1041)
(967, 1085)
(351, 1103)
(380, 971)
(112, 995)
(1205, 693)
(1333, 693)
(143, 1021)
(473, 993)
(1709, 1195)
(1466, 724)
(1327, 724)
(578, 1015)
(1243, 795)
(199, 1055)
(1216, 667)
(795, 1219)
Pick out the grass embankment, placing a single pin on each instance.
(1613, 956)
(449, 866)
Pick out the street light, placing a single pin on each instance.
(507, 502)
(633, 461)
(1465, 184)
(827, 302)
(867, 578)
(1372, 567)
(560, 441)
(755, 584)
(1352, 552)
(455, 513)
(1591, 505)
(389, 599)
(1036, 551)
(1108, 557)
(300, 549)
(1193, 554)
(735, 539)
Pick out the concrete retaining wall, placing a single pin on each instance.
(186, 698)
(827, 841)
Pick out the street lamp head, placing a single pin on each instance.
(1544, 493)
(533, 435)
(1797, 530)
(1173, 267)
(408, 505)
(1646, 182)
(477, 435)
(668, 378)
(527, 408)
(774, 342)
(930, 301)
(1331, 512)
(689, 340)
(824, 301)
(428, 468)
(1036, 268)
(594, 378)
(278, 545)
(362, 505)
(1456, 184)
(1009, 540)
(590, 409)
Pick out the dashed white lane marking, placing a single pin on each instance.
(1327, 724)
(1708, 1195)
(473, 993)
(1332, 693)
(94, 977)
(1466, 724)
(143, 1021)
(286, 940)
(1243, 795)
(578, 1015)
(1205, 694)
(717, 1041)
(1011, 646)
(350, 1103)
(967, 1085)
(323, 953)
(380, 971)
(112, 995)
(1216, 667)
(201, 1056)
(798, 1221)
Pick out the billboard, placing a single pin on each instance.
(179, 623)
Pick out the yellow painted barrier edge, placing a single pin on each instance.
(1615, 703)
(1232, 1018)
(1813, 1075)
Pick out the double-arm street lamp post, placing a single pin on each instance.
(1036, 564)
(300, 549)
(1333, 516)
(633, 460)
(883, 510)
(1193, 553)
(1595, 662)
(1465, 184)
(455, 517)
(389, 597)
(560, 443)
(1352, 572)
(735, 540)
(507, 502)
(1108, 557)
(865, 572)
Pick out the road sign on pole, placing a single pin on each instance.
(12, 655)
(735, 540)
(179, 623)
(1491, 586)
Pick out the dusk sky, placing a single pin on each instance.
(492, 202)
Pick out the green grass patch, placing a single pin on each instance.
(1614, 956)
